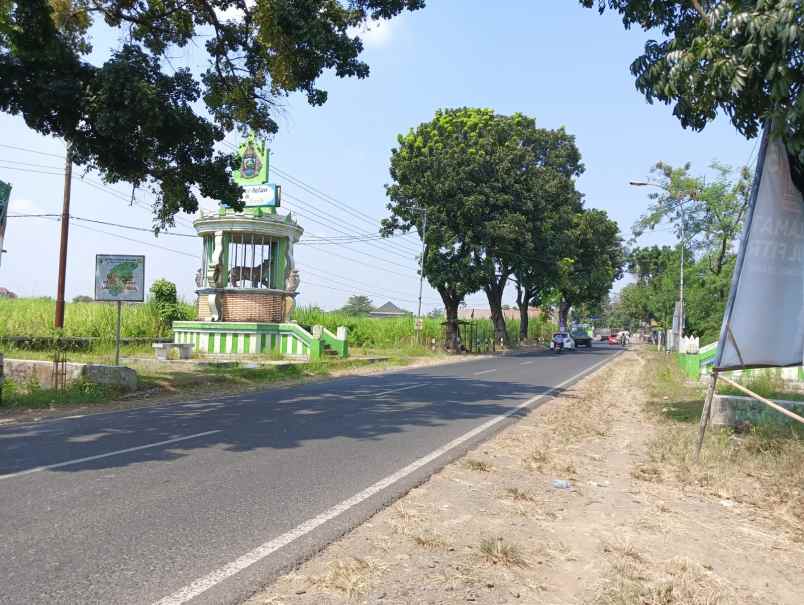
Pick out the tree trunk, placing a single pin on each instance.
(451, 301)
(494, 294)
(523, 298)
(452, 340)
(563, 314)
(523, 319)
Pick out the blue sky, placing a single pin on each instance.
(553, 60)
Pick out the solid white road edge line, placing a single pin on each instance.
(106, 455)
(411, 386)
(189, 592)
(483, 372)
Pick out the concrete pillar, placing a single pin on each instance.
(723, 412)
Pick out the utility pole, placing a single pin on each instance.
(419, 323)
(692, 195)
(65, 229)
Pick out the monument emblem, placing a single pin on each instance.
(251, 164)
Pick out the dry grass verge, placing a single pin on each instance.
(638, 525)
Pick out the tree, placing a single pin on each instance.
(536, 268)
(592, 261)
(486, 182)
(434, 170)
(83, 298)
(530, 188)
(131, 121)
(745, 59)
(358, 305)
(166, 304)
(711, 211)
(436, 313)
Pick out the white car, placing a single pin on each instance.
(567, 341)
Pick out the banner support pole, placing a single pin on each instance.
(117, 335)
(707, 409)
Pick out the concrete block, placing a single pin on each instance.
(723, 412)
(731, 410)
(25, 371)
(117, 376)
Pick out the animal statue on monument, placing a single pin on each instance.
(291, 287)
(259, 274)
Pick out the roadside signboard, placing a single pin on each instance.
(419, 324)
(262, 195)
(5, 197)
(119, 278)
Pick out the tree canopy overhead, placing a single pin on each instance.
(744, 58)
(135, 122)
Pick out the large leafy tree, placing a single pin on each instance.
(742, 57)
(133, 121)
(592, 260)
(434, 170)
(491, 185)
(525, 176)
(553, 204)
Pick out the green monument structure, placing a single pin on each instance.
(248, 282)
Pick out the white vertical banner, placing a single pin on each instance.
(5, 200)
(763, 325)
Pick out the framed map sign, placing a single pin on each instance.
(119, 277)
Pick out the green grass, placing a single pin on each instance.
(676, 399)
(765, 383)
(31, 396)
(101, 352)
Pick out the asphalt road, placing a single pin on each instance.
(206, 501)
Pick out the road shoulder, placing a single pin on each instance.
(501, 525)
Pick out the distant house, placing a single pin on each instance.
(388, 311)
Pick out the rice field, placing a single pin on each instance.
(34, 317)
(369, 332)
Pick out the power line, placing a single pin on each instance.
(53, 155)
(106, 188)
(334, 202)
(138, 241)
(330, 219)
(356, 213)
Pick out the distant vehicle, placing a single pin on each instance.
(562, 340)
(613, 340)
(581, 338)
(602, 334)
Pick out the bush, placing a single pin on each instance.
(166, 306)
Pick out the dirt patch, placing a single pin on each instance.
(569, 505)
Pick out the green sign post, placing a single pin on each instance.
(5, 197)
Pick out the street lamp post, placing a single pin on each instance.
(681, 277)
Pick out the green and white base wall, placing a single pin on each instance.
(246, 338)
